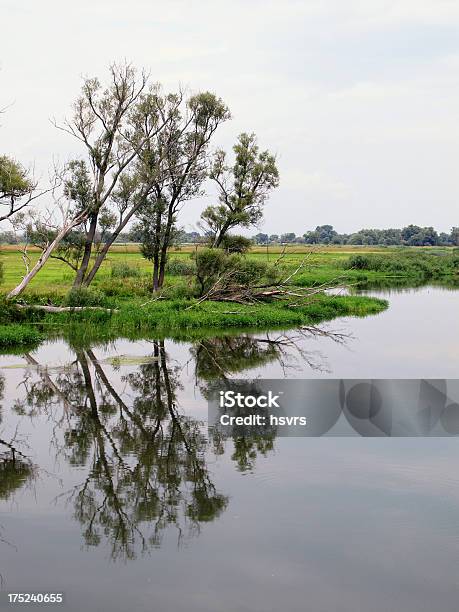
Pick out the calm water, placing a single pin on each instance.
(119, 498)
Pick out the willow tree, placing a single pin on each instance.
(243, 188)
(106, 123)
(170, 135)
(174, 165)
(103, 123)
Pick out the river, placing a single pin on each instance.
(119, 498)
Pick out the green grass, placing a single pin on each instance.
(19, 335)
(324, 265)
(123, 282)
(175, 318)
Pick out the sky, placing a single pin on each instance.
(359, 100)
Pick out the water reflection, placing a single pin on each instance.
(394, 285)
(216, 359)
(144, 462)
(16, 469)
(126, 438)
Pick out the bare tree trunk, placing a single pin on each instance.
(165, 246)
(157, 283)
(162, 269)
(98, 262)
(103, 252)
(221, 234)
(45, 256)
(87, 251)
(156, 286)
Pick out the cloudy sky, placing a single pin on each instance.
(359, 99)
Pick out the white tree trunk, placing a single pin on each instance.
(66, 229)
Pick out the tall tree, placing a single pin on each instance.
(242, 188)
(174, 166)
(106, 121)
(102, 122)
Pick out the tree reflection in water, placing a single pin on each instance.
(146, 468)
(217, 359)
(16, 470)
(144, 462)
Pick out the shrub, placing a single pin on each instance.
(419, 265)
(9, 313)
(358, 262)
(85, 297)
(180, 290)
(179, 267)
(235, 244)
(246, 271)
(1, 272)
(124, 270)
(127, 287)
(212, 264)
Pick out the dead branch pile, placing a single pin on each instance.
(225, 289)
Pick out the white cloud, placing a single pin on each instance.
(317, 184)
(354, 115)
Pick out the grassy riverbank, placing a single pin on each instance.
(180, 319)
(123, 287)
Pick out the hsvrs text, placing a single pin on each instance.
(255, 420)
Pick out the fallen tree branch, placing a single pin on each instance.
(63, 308)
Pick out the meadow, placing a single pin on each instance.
(123, 291)
(324, 264)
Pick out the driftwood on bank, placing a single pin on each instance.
(63, 308)
(226, 289)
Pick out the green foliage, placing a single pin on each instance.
(424, 265)
(69, 250)
(243, 187)
(14, 334)
(125, 287)
(78, 185)
(359, 262)
(10, 313)
(323, 234)
(1, 272)
(169, 180)
(214, 265)
(179, 267)
(180, 290)
(122, 269)
(261, 238)
(8, 237)
(210, 265)
(287, 238)
(173, 317)
(83, 296)
(235, 244)
(14, 179)
(247, 272)
(411, 235)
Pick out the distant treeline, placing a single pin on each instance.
(412, 235)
